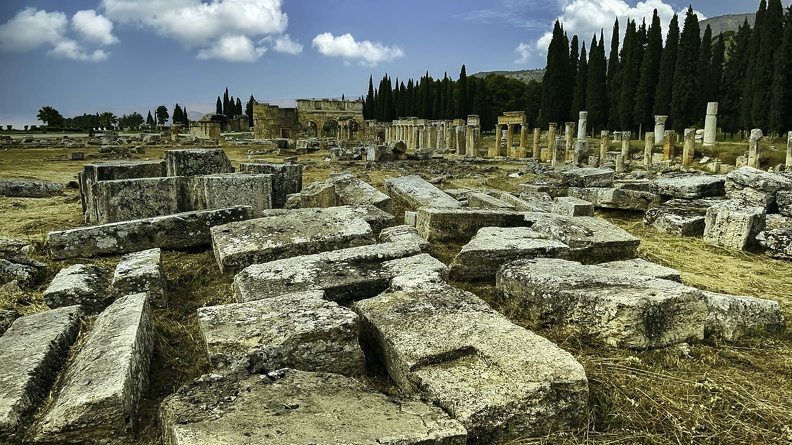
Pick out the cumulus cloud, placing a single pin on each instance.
(94, 27)
(345, 46)
(284, 44)
(233, 49)
(69, 49)
(524, 51)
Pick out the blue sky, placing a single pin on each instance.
(87, 56)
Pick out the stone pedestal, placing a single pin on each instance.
(620, 164)
(711, 124)
(551, 148)
(669, 142)
(582, 124)
(689, 147)
(569, 140)
(625, 141)
(754, 147)
(472, 140)
(522, 152)
(659, 129)
(604, 144)
(649, 144)
(537, 137)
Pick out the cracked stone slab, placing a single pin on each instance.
(291, 407)
(32, 352)
(733, 317)
(733, 224)
(417, 192)
(755, 187)
(287, 178)
(196, 161)
(588, 177)
(230, 189)
(691, 187)
(639, 266)
(141, 272)
(680, 216)
(616, 198)
(80, 284)
(592, 239)
(446, 224)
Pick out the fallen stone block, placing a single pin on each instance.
(733, 317)
(570, 206)
(638, 185)
(499, 380)
(554, 188)
(297, 330)
(485, 201)
(447, 224)
(93, 173)
(286, 233)
(755, 187)
(178, 231)
(196, 161)
(616, 198)
(132, 199)
(784, 201)
(415, 192)
(591, 239)
(287, 179)
(639, 266)
(691, 187)
(29, 188)
(32, 352)
(354, 192)
(318, 194)
(230, 189)
(734, 225)
(493, 247)
(141, 272)
(101, 389)
(680, 216)
(80, 284)
(377, 218)
(537, 202)
(624, 311)
(778, 242)
(290, 407)
(379, 153)
(588, 177)
(404, 234)
(519, 204)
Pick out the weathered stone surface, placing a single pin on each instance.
(286, 233)
(493, 247)
(287, 179)
(639, 185)
(101, 389)
(734, 225)
(197, 161)
(93, 173)
(626, 311)
(691, 187)
(29, 188)
(318, 194)
(588, 177)
(446, 224)
(778, 242)
(404, 234)
(616, 198)
(297, 330)
(15, 264)
(178, 231)
(499, 380)
(415, 192)
(571, 206)
(485, 201)
(592, 240)
(537, 202)
(32, 352)
(228, 190)
(519, 204)
(733, 317)
(354, 192)
(290, 407)
(138, 198)
(80, 284)
(639, 266)
(378, 219)
(784, 201)
(7, 317)
(141, 272)
(755, 187)
(680, 216)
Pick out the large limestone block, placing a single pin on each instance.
(571, 206)
(131, 199)
(15, 264)
(680, 216)
(519, 204)
(446, 224)
(734, 225)
(32, 352)
(485, 201)
(616, 198)
(404, 234)
(80, 284)
(588, 177)
(778, 242)
(107, 171)
(499, 380)
(299, 330)
(178, 231)
(592, 239)
(287, 179)
(352, 191)
(230, 189)
(691, 187)
(286, 233)
(415, 192)
(29, 188)
(784, 201)
(100, 391)
(639, 266)
(625, 311)
(733, 317)
(493, 247)
(318, 194)
(755, 187)
(141, 272)
(196, 161)
(296, 407)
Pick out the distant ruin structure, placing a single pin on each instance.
(342, 119)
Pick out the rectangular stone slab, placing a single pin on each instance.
(231, 189)
(691, 187)
(299, 330)
(733, 317)
(733, 224)
(107, 171)
(282, 234)
(415, 192)
(757, 188)
(616, 198)
(296, 407)
(485, 201)
(80, 284)
(625, 311)
(592, 239)
(680, 216)
(196, 161)
(588, 177)
(352, 191)
(499, 380)
(32, 352)
(141, 272)
(446, 224)
(639, 266)
(287, 178)
(138, 198)
(100, 392)
(178, 231)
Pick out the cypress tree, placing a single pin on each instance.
(705, 93)
(249, 110)
(581, 83)
(733, 79)
(683, 95)
(388, 111)
(596, 90)
(450, 106)
(574, 60)
(463, 107)
(225, 102)
(426, 96)
(178, 116)
(772, 31)
(630, 70)
(437, 93)
(715, 81)
(369, 102)
(443, 96)
(218, 106)
(650, 71)
(238, 108)
(665, 77)
(555, 77)
(614, 78)
(149, 119)
(787, 54)
(746, 105)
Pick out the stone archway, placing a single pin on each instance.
(330, 128)
(312, 129)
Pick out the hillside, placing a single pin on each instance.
(523, 75)
(724, 23)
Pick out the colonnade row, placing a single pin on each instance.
(450, 135)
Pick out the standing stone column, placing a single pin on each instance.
(537, 139)
(649, 144)
(509, 140)
(619, 164)
(523, 151)
(582, 124)
(551, 134)
(495, 149)
(473, 132)
(460, 140)
(711, 124)
(604, 145)
(625, 145)
(450, 140)
(755, 147)
(689, 147)
(569, 135)
(669, 143)
(789, 151)
(659, 129)
(431, 137)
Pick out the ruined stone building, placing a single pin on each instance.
(342, 119)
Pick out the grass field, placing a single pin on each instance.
(709, 392)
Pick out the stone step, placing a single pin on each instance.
(141, 272)
(32, 352)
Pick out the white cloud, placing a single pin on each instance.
(523, 50)
(31, 29)
(284, 44)
(233, 49)
(69, 49)
(94, 27)
(346, 47)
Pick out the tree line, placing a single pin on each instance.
(230, 107)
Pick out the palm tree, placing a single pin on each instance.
(49, 116)
(108, 119)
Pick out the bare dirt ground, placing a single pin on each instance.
(710, 392)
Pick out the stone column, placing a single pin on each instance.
(523, 151)
(460, 139)
(711, 124)
(581, 152)
(789, 151)
(472, 139)
(669, 144)
(431, 137)
(689, 147)
(649, 144)
(619, 164)
(551, 134)
(625, 145)
(582, 124)
(659, 130)
(537, 139)
(449, 137)
(755, 147)
(569, 135)
(495, 149)
(604, 145)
